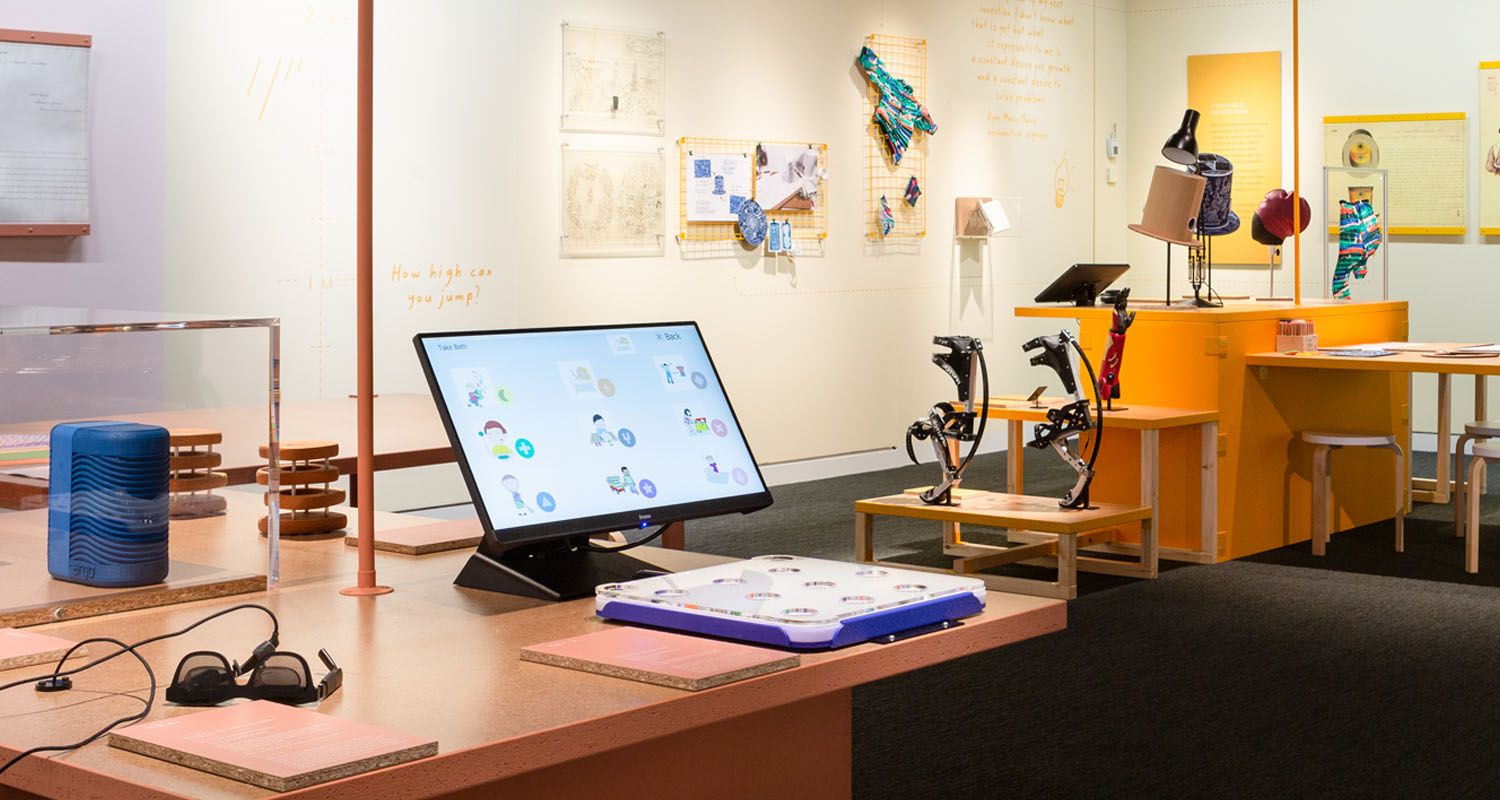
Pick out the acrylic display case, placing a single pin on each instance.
(178, 371)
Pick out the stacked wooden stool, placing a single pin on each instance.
(306, 497)
(192, 477)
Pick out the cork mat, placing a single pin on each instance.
(275, 746)
(458, 534)
(666, 659)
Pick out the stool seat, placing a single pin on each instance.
(1348, 439)
(1483, 427)
(1323, 444)
(1487, 449)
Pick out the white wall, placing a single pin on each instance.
(828, 357)
(1364, 57)
(118, 265)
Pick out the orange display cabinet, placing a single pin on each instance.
(1195, 358)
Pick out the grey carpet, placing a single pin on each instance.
(1365, 673)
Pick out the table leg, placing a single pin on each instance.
(1481, 411)
(1150, 494)
(1209, 489)
(1444, 444)
(675, 536)
(1321, 500)
(864, 537)
(1067, 564)
(1014, 478)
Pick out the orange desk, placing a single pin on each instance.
(1405, 364)
(1196, 358)
(1147, 423)
(442, 661)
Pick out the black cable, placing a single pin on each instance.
(150, 699)
(984, 415)
(594, 548)
(58, 672)
(1098, 402)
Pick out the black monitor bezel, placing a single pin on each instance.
(1067, 287)
(600, 523)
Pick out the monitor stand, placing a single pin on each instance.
(547, 571)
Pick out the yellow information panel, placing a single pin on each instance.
(1425, 156)
(1239, 98)
(1489, 148)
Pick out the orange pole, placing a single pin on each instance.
(364, 314)
(1296, 163)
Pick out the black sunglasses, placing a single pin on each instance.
(205, 678)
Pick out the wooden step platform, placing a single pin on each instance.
(1042, 534)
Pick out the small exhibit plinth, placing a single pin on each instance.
(458, 534)
(30, 596)
(303, 467)
(1044, 534)
(199, 569)
(667, 659)
(279, 747)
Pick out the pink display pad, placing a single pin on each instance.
(272, 745)
(26, 649)
(417, 540)
(668, 659)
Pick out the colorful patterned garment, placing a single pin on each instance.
(1370, 222)
(887, 220)
(913, 191)
(898, 113)
(1351, 248)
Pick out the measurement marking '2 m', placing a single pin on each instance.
(292, 65)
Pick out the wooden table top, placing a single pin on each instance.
(1130, 416)
(435, 660)
(1000, 510)
(408, 431)
(1400, 362)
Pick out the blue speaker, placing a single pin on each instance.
(107, 503)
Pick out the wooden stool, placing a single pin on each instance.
(1482, 429)
(1483, 451)
(304, 465)
(193, 479)
(1322, 482)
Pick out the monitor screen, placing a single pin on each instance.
(564, 432)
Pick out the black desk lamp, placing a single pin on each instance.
(1182, 146)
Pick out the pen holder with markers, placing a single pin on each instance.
(1295, 335)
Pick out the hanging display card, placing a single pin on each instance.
(716, 185)
(44, 133)
(1425, 156)
(614, 81)
(1239, 97)
(1489, 148)
(272, 745)
(611, 203)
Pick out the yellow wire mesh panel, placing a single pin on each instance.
(905, 59)
(808, 226)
